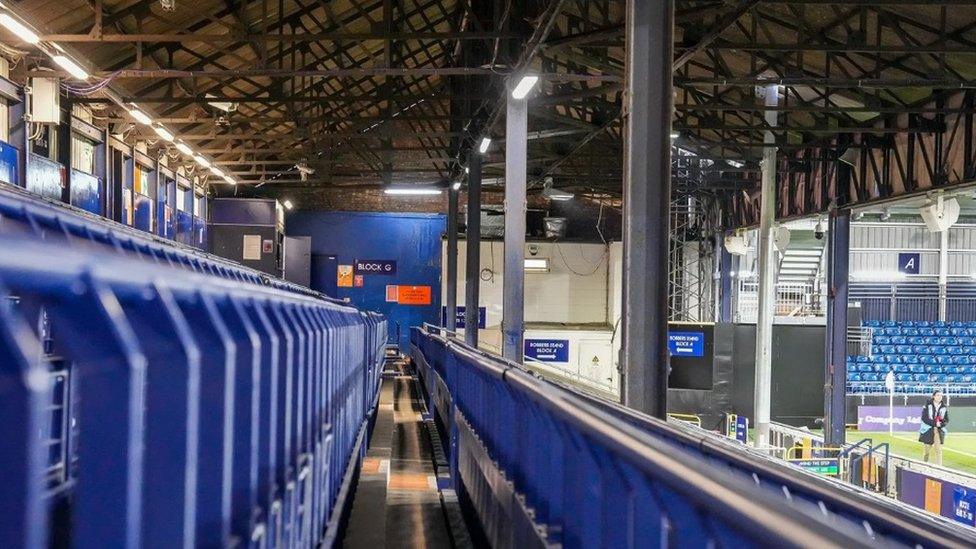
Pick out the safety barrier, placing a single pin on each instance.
(542, 464)
(24, 213)
(155, 398)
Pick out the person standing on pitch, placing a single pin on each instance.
(935, 417)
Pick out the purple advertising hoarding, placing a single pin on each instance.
(875, 418)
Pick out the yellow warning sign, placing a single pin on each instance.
(344, 279)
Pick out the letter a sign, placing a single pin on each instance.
(908, 263)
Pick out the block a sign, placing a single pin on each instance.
(547, 350)
(908, 263)
(686, 343)
(375, 267)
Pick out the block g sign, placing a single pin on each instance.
(375, 267)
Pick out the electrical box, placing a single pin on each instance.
(45, 100)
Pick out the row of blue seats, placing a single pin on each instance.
(923, 349)
(915, 359)
(919, 323)
(911, 368)
(914, 378)
(924, 388)
(925, 332)
(923, 340)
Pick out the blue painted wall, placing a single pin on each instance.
(412, 240)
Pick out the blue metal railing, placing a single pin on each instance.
(210, 407)
(543, 464)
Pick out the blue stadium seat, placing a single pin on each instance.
(889, 323)
(926, 332)
(862, 358)
(940, 324)
(886, 349)
(898, 340)
(851, 367)
(966, 340)
(872, 323)
(960, 359)
(904, 377)
(968, 378)
(865, 368)
(922, 378)
(953, 378)
(926, 359)
(923, 324)
(948, 340)
(942, 331)
(903, 349)
(943, 359)
(881, 367)
(936, 369)
(917, 368)
(919, 349)
(956, 324)
(910, 331)
(853, 377)
(960, 332)
(910, 359)
(882, 340)
(900, 368)
(916, 340)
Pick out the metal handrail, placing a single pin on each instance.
(727, 497)
(841, 498)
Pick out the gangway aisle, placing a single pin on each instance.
(397, 501)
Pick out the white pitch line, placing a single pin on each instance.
(944, 447)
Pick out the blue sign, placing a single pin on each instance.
(742, 429)
(964, 506)
(547, 350)
(375, 267)
(459, 320)
(686, 343)
(8, 164)
(908, 263)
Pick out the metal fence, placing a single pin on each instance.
(544, 465)
(793, 299)
(155, 398)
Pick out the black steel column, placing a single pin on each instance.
(647, 190)
(472, 238)
(452, 253)
(835, 386)
(724, 280)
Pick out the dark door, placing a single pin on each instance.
(324, 271)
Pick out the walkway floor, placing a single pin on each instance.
(397, 503)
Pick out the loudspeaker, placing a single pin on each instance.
(941, 214)
(736, 244)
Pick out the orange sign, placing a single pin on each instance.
(413, 295)
(933, 496)
(344, 278)
(391, 293)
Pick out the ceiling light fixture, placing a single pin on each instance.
(163, 132)
(456, 185)
(202, 161)
(288, 205)
(216, 171)
(412, 191)
(73, 68)
(485, 143)
(185, 149)
(230, 180)
(19, 29)
(524, 86)
(140, 117)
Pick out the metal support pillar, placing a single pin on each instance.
(516, 166)
(767, 273)
(943, 272)
(472, 237)
(452, 253)
(647, 191)
(724, 282)
(835, 388)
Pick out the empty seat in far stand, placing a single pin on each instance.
(919, 349)
(881, 340)
(910, 331)
(916, 340)
(903, 349)
(904, 377)
(926, 359)
(898, 340)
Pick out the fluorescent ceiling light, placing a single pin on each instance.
(202, 161)
(675, 135)
(141, 117)
(485, 143)
(412, 191)
(163, 132)
(230, 180)
(524, 86)
(736, 163)
(537, 264)
(288, 205)
(216, 171)
(456, 185)
(225, 106)
(19, 29)
(184, 148)
(467, 169)
(73, 68)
